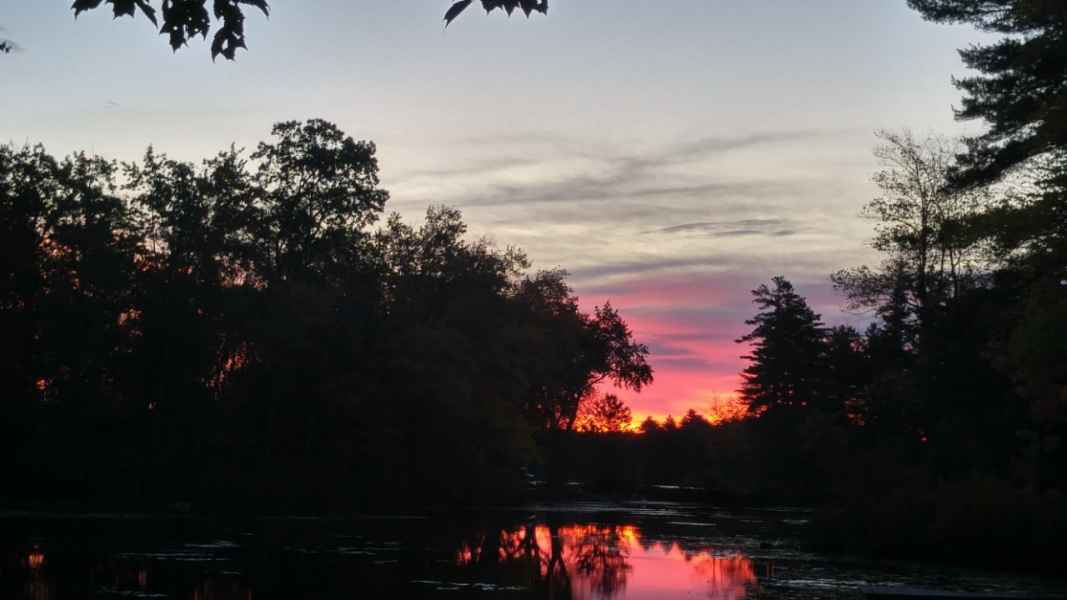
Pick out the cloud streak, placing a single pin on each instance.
(564, 171)
(741, 227)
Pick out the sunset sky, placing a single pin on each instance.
(671, 156)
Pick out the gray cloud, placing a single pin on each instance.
(637, 213)
(741, 227)
(637, 267)
(616, 186)
(662, 347)
(642, 214)
(470, 168)
(715, 145)
(666, 355)
(627, 175)
(690, 364)
(711, 336)
(741, 269)
(520, 138)
(718, 226)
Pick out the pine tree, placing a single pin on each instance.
(1020, 91)
(787, 359)
(1021, 94)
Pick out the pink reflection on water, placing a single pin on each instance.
(599, 562)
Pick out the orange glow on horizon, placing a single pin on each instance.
(720, 409)
(696, 364)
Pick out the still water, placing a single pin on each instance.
(579, 551)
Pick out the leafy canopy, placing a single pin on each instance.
(527, 6)
(183, 20)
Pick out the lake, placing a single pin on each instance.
(628, 550)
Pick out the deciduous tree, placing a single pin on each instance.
(183, 20)
(923, 228)
(604, 414)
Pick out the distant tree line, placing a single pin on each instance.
(239, 332)
(937, 431)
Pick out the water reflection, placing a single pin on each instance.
(37, 587)
(606, 562)
(535, 559)
(30, 573)
(646, 553)
(34, 559)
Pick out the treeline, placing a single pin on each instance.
(939, 430)
(242, 333)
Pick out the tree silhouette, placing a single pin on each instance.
(604, 414)
(319, 192)
(1019, 92)
(580, 351)
(923, 227)
(650, 425)
(183, 20)
(786, 362)
(694, 421)
(528, 7)
(186, 19)
(848, 373)
(160, 313)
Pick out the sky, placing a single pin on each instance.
(672, 156)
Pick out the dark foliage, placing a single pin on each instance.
(186, 19)
(183, 20)
(787, 361)
(528, 7)
(235, 334)
(1020, 92)
(931, 450)
(1020, 89)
